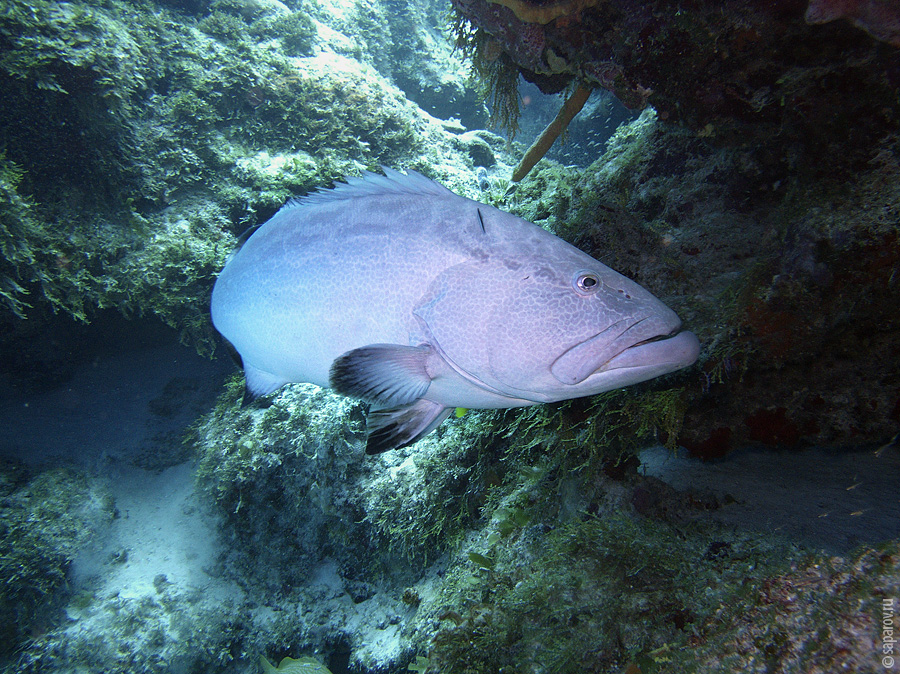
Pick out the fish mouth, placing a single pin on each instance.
(658, 338)
(651, 343)
(667, 353)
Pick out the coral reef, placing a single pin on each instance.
(297, 495)
(606, 595)
(171, 631)
(811, 98)
(759, 197)
(45, 521)
(759, 266)
(528, 529)
(164, 135)
(403, 506)
(533, 531)
(298, 465)
(789, 283)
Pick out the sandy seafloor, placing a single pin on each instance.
(127, 406)
(121, 418)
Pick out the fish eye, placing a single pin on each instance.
(587, 282)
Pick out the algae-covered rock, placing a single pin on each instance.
(163, 134)
(45, 520)
(786, 282)
(522, 540)
(408, 44)
(306, 514)
(177, 629)
(308, 517)
(610, 593)
(740, 198)
(815, 98)
(293, 480)
(821, 614)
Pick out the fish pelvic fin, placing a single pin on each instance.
(396, 427)
(388, 375)
(393, 378)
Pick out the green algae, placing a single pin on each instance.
(414, 504)
(18, 226)
(304, 453)
(523, 489)
(822, 613)
(605, 592)
(145, 635)
(496, 72)
(590, 594)
(421, 506)
(544, 549)
(162, 136)
(45, 521)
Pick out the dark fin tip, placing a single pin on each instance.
(398, 427)
(385, 373)
(384, 440)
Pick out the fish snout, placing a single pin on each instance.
(603, 349)
(659, 356)
(655, 326)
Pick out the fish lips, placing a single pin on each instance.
(623, 346)
(660, 355)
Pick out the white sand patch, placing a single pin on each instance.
(161, 536)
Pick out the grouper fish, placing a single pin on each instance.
(395, 290)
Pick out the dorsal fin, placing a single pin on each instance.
(242, 239)
(371, 184)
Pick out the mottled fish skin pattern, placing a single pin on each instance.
(395, 290)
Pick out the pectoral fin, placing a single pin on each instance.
(389, 375)
(393, 378)
(396, 427)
